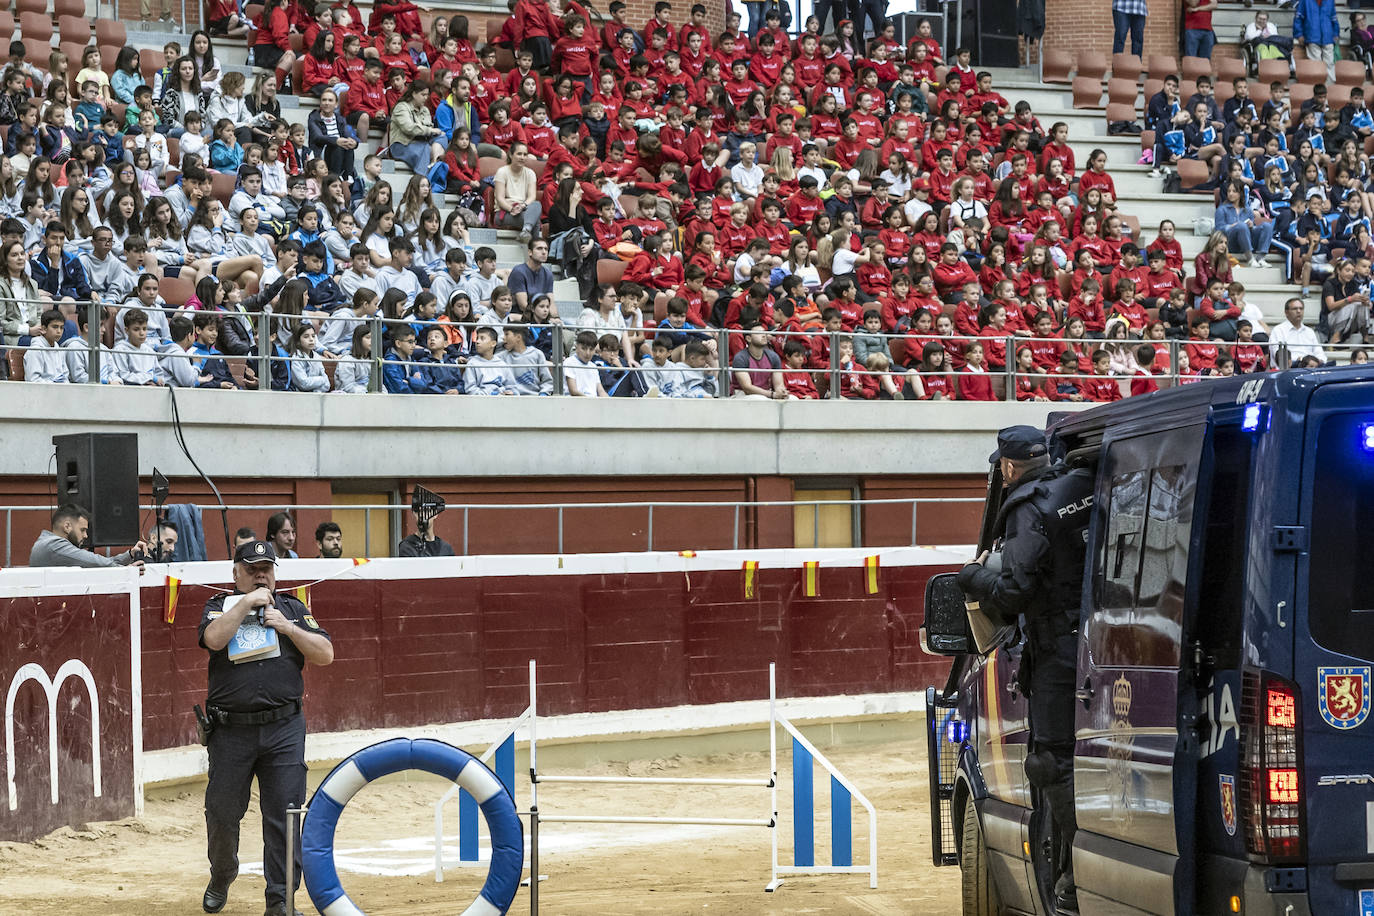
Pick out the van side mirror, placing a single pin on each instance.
(946, 624)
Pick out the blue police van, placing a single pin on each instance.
(1224, 753)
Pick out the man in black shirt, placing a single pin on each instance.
(424, 543)
(256, 723)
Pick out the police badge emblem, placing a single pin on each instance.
(1228, 804)
(1343, 696)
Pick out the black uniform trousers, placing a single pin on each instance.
(275, 754)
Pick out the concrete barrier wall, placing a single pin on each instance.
(247, 434)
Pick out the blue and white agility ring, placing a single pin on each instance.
(394, 756)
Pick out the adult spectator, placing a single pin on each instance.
(757, 368)
(331, 138)
(62, 546)
(1300, 340)
(21, 305)
(413, 132)
(1128, 15)
(424, 543)
(1264, 40)
(281, 533)
(515, 189)
(244, 536)
(1246, 232)
(1345, 305)
(1316, 30)
(162, 541)
(533, 278)
(329, 540)
(1198, 37)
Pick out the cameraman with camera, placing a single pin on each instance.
(63, 545)
(424, 542)
(253, 722)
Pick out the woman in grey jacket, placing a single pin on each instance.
(20, 301)
(413, 130)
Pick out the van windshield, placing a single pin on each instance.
(1340, 591)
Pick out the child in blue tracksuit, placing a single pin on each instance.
(401, 371)
(443, 373)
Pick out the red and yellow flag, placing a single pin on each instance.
(359, 561)
(751, 568)
(686, 553)
(169, 608)
(871, 574)
(811, 578)
(303, 595)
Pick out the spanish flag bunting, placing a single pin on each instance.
(359, 561)
(871, 574)
(169, 610)
(303, 595)
(811, 578)
(686, 553)
(751, 568)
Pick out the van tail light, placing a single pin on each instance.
(1271, 783)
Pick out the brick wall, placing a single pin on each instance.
(1086, 25)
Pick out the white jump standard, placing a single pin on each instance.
(804, 758)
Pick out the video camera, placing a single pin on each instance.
(426, 504)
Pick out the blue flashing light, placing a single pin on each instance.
(956, 732)
(1250, 420)
(1367, 436)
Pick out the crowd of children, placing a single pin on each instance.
(790, 212)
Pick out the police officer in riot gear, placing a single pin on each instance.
(253, 718)
(1042, 527)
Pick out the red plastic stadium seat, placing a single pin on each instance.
(1349, 72)
(1092, 64)
(110, 32)
(7, 25)
(1087, 92)
(1122, 91)
(176, 290)
(1299, 93)
(222, 186)
(1193, 67)
(35, 25)
(30, 6)
(1337, 96)
(70, 8)
(1057, 66)
(149, 62)
(1192, 172)
(610, 271)
(1271, 70)
(1119, 111)
(1310, 72)
(1162, 65)
(1126, 66)
(1228, 68)
(74, 28)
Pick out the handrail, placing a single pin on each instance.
(738, 507)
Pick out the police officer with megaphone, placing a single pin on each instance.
(1042, 530)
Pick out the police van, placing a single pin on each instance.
(1224, 753)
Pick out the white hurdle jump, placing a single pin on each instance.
(805, 758)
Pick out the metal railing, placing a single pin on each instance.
(740, 511)
(716, 378)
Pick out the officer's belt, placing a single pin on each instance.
(275, 714)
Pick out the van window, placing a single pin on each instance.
(1340, 591)
(1142, 560)
(1222, 580)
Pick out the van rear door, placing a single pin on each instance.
(1332, 788)
(1127, 854)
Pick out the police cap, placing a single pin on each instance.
(1019, 443)
(255, 552)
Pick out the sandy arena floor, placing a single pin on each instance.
(156, 864)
